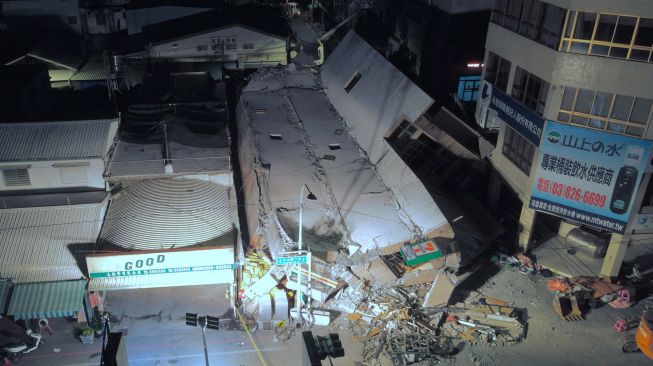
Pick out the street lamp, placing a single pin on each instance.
(298, 298)
(204, 322)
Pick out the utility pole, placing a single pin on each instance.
(298, 296)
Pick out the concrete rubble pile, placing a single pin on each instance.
(393, 322)
(389, 317)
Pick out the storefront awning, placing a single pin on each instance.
(5, 285)
(46, 300)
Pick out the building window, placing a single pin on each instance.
(403, 133)
(608, 35)
(248, 46)
(16, 177)
(497, 71)
(518, 150)
(231, 43)
(71, 20)
(605, 111)
(530, 90)
(202, 47)
(100, 19)
(536, 20)
(352, 81)
(217, 44)
(468, 87)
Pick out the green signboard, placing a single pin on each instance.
(298, 259)
(420, 252)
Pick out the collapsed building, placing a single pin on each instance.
(373, 224)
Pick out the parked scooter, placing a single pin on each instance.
(15, 342)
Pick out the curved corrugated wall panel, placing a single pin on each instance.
(167, 213)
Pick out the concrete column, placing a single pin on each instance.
(615, 255)
(526, 221)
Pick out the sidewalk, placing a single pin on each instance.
(63, 347)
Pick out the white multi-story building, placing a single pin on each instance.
(247, 36)
(569, 80)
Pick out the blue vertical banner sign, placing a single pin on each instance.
(589, 176)
(520, 118)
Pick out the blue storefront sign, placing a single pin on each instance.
(520, 118)
(589, 176)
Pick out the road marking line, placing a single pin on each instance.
(193, 355)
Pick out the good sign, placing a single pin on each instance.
(148, 262)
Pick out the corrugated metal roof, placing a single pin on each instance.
(90, 74)
(52, 199)
(441, 137)
(35, 241)
(167, 213)
(56, 140)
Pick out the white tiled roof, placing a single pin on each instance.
(168, 213)
(56, 140)
(35, 243)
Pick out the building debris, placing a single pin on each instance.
(567, 308)
(571, 294)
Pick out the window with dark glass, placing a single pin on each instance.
(605, 111)
(585, 25)
(645, 33)
(533, 19)
(641, 110)
(610, 35)
(624, 31)
(551, 29)
(497, 71)
(530, 90)
(622, 106)
(518, 150)
(605, 28)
